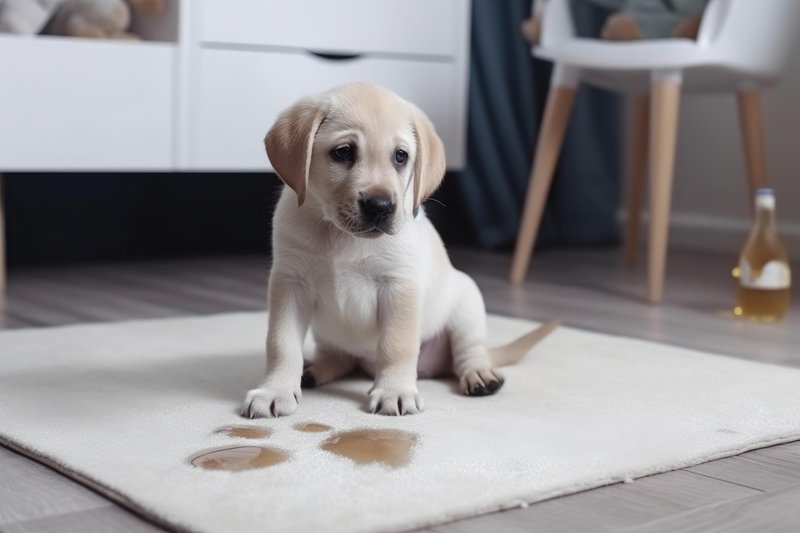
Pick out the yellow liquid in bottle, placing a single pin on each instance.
(762, 304)
(763, 291)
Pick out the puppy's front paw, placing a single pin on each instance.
(270, 402)
(384, 401)
(481, 382)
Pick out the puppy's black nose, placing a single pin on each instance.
(376, 209)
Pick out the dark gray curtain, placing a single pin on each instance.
(507, 93)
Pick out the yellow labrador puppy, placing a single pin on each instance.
(357, 261)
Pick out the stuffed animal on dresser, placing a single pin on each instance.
(635, 19)
(652, 19)
(100, 19)
(26, 17)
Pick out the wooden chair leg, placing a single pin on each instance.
(548, 147)
(752, 122)
(637, 171)
(664, 107)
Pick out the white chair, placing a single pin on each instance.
(741, 47)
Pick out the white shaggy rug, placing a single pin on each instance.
(123, 407)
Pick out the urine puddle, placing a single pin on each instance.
(391, 447)
(245, 432)
(312, 427)
(238, 458)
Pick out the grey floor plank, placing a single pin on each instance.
(788, 452)
(23, 303)
(29, 490)
(772, 512)
(98, 305)
(8, 321)
(589, 289)
(164, 289)
(109, 297)
(755, 470)
(94, 520)
(609, 508)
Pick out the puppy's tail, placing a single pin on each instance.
(515, 350)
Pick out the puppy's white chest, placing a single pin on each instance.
(348, 298)
(356, 295)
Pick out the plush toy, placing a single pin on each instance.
(636, 19)
(102, 19)
(652, 19)
(26, 17)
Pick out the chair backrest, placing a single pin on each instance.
(557, 24)
(757, 35)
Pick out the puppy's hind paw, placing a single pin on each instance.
(395, 403)
(270, 403)
(483, 382)
(308, 381)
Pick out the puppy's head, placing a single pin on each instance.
(367, 157)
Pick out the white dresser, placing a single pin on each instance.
(200, 93)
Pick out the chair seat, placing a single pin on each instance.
(653, 54)
(626, 66)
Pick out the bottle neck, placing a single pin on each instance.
(765, 219)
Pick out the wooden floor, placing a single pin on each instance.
(588, 289)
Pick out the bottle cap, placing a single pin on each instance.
(765, 197)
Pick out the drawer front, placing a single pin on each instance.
(411, 27)
(72, 104)
(241, 94)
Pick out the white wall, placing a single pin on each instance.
(710, 202)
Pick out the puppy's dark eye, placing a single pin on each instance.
(400, 157)
(343, 153)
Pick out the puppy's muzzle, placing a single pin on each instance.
(377, 211)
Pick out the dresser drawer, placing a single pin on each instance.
(231, 119)
(75, 104)
(410, 27)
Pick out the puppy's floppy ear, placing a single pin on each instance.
(290, 141)
(429, 165)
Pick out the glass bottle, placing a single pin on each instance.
(765, 278)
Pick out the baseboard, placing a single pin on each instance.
(717, 234)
